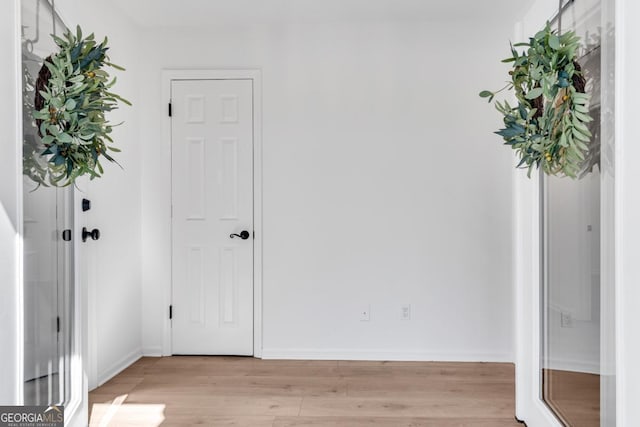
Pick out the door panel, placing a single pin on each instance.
(564, 263)
(212, 194)
(48, 299)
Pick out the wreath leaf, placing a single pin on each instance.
(72, 97)
(547, 128)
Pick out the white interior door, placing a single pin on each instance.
(212, 196)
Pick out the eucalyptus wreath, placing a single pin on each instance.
(72, 96)
(548, 126)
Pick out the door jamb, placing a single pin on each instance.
(255, 76)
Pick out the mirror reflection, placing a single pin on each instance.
(571, 300)
(48, 273)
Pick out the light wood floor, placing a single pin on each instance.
(237, 391)
(575, 396)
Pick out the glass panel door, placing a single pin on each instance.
(48, 258)
(571, 347)
(575, 313)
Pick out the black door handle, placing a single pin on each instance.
(94, 234)
(244, 235)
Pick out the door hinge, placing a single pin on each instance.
(170, 110)
(171, 312)
(58, 324)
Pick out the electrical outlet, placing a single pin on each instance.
(365, 313)
(566, 320)
(405, 313)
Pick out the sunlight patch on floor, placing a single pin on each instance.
(126, 414)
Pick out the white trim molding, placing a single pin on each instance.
(11, 229)
(119, 366)
(152, 351)
(255, 76)
(627, 214)
(529, 405)
(382, 355)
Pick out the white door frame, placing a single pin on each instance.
(527, 278)
(526, 242)
(526, 271)
(231, 74)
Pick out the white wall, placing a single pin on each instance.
(10, 208)
(383, 185)
(113, 263)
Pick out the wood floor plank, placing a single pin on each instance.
(126, 415)
(241, 391)
(177, 378)
(452, 371)
(434, 407)
(406, 386)
(179, 403)
(249, 385)
(199, 421)
(121, 385)
(296, 371)
(390, 422)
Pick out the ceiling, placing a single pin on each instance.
(205, 13)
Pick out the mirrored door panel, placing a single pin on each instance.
(571, 359)
(572, 289)
(48, 258)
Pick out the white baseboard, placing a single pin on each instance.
(152, 351)
(119, 366)
(384, 355)
(587, 367)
